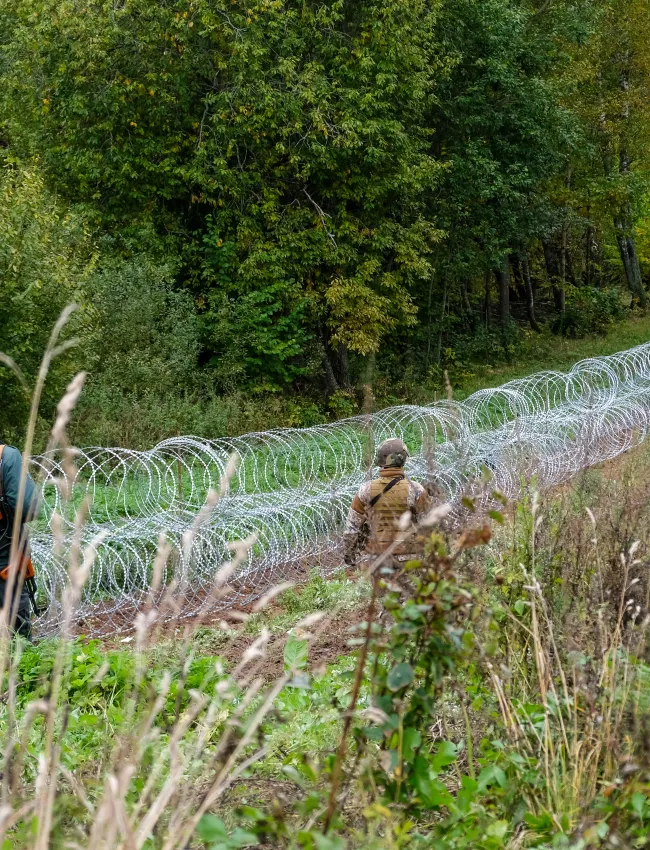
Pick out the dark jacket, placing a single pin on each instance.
(10, 470)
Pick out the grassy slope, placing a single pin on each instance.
(547, 351)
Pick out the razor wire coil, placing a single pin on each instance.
(292, 487)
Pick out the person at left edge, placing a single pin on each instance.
(10, 470)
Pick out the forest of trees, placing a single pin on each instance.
(267, 209)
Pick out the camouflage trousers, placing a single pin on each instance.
(393, 579)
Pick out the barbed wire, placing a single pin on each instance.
(291, 488)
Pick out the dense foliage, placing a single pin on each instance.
(300, 199)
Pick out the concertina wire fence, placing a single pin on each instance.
(292, 487)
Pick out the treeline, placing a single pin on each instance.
(263, 208)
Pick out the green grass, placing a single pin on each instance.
(318, 594)
(548, 351)
(311, 715)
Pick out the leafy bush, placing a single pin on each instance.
(141, 352)
(588, 310)
(45, 263)
(146, 336)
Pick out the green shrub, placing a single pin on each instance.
(588, 310)
(45, 262)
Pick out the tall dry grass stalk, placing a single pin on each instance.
(571, 689)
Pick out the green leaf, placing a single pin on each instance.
(296, 652)
(373, 733)
(639, 801)
(498, 829)
(293, 774)
(411, 740)
(213, 832)
(241, 838)
(491, 774)
(464, 800)
(211, 828)
(433, 793)
(400, 676)
(520, 606)
(446, 753)
(496, 516)
(540, 823)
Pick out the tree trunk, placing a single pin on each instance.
(366, 385)
(589, 235)
(486, 303)
(368, 407)
(467, 307)
(568, 267)
(521, 274)
(344, 366)
(427, 359)
(517, 277)
(552, 261)
(630, 258)
(530, 295)
(627, 244)
(442, 327)
(331, 384)
(503, 282)
(623, 219)
(567, 264)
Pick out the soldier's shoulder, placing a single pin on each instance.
(11, 464)
(419, 488)
(11, 456)
(365, 490)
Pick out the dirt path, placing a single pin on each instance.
(329, 641)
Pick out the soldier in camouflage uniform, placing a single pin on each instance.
(374, 516)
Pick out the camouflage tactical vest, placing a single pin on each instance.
(384, 517)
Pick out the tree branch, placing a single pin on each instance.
(323, 216)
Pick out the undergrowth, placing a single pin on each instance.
(501, 700)
(117, 418)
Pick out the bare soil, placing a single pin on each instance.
(197, 607)
(326, 645)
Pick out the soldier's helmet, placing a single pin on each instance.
(392, 453)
